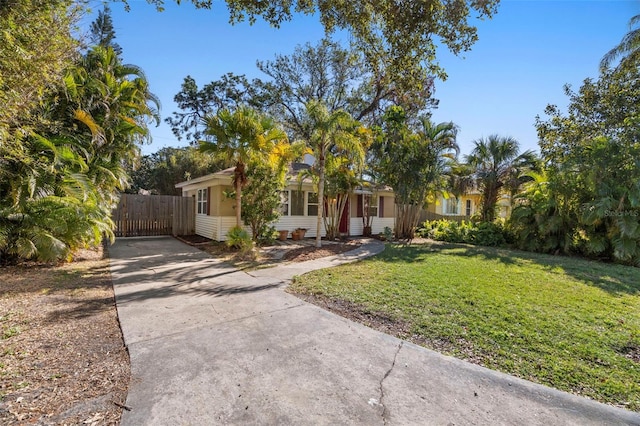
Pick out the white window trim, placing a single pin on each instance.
(445, 207)
(201, 200)
(307, 203)
(373, 199)
(288, 203)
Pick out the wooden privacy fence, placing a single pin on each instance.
(149, 215)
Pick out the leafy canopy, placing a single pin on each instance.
(238, 136)
(65, 144)
(36, 46)
(592, 157)
(401, 36)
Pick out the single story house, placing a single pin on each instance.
(465, 206)
(215, 213)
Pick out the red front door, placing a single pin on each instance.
(344, 220)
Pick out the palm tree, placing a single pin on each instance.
(628, 51)
(331, 132)
(113, 102)
(64, 183)
(237, 136)
(433, 148)
(415, 162)
(495, 161)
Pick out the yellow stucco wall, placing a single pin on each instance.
(353, 204)
(225, 204)
(440, 205)
(389, 209)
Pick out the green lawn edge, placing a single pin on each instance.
(569, 323)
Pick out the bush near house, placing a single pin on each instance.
(492, 234)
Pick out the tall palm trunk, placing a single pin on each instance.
(489, 202)
(321, 164)
(239, 180)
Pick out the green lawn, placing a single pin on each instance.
(568, 323)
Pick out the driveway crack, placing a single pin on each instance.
(384, 407)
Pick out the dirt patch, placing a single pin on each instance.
(194, 239)
(358, 313)
(298, 254)
(303, 254)
(62, 356)
(631, 351)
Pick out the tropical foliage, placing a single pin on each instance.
(239, 136)
(34, 54)
(195, 104)
(415, 162)
(628, 51)
(589, 200)
(102, 32)
(266, 178)
(338, 143)
(490, 234)
(60, 174)
(326, 73)
(497, 165)
(239, 239)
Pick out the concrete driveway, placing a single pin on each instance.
(213, 345)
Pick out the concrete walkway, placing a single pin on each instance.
(213, 345)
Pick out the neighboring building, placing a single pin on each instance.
(215, 213)
(463, 207)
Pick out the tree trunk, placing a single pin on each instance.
(239, 183)
(333, 215)
(489, 202)
(321, 162)
(407, 216)
(238, 204)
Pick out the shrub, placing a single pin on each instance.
(266, 235)
(487, 234)
(239, 239)
(483, 233)
(388, 234)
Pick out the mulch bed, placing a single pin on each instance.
(303, 254)
(300, 254)
(62, 357)
(194, 240)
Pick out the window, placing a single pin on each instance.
(202, 201)
(372, 202)
(297, 203)
(367, 201)
(468, 208)
(284, 203)
(451, 206)
(312, 204)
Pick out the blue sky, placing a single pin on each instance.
(523, 57)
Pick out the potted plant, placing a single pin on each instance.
(282, 235)
(298, 233)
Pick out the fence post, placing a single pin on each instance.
(123, 199)
(177, 213)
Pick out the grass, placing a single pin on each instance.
(568, 323)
